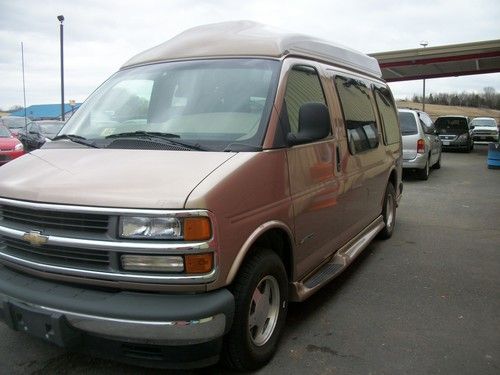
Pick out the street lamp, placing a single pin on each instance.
(424, 44)
(61, 20)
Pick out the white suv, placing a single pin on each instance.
(484, 129)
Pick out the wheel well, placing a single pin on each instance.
(278, 241)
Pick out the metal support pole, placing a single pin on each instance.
(423, 97)
(24, 89)
(61, 32)
(424, 44)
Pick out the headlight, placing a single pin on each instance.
(18, 147)
(462, 137)
(167, 228)
(150, 227)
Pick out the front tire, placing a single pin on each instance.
(261, 304)
(389, 212)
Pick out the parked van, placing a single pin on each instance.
(210, 181)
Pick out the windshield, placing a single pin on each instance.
(207, 104)
(408, 123)
(4, 132)
(488, 122)
(454, 125)
(13, 122)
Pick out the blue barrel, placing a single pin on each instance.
(494, 155)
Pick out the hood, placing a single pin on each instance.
(7, 144)
(108, 178)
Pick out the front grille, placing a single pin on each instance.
(46, 219)
(56, 255)
(485, 132)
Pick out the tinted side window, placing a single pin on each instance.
(427, 123)
(387, 111)
(359, 118)
(408, 123)
(303, 86)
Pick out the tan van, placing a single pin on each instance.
(210, 181)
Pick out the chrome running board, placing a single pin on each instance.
(334, 265)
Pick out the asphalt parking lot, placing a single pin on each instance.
(427, 301)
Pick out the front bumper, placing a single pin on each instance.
(68, 315)
(417, 163)
(485, 138)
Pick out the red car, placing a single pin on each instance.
(10, 147)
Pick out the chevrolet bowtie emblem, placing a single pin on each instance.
(35, 238)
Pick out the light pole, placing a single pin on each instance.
(61, 26)
(424, 44)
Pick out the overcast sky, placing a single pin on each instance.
(101, 35)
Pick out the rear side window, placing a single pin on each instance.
(408, 123)
(387, 112)
(427, 123)
(303, 86)
(359, 117)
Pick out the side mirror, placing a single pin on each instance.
(314, 124)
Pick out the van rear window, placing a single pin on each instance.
(451, 125)
(408, 123)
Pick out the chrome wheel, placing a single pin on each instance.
(264, 310)
(389, 209)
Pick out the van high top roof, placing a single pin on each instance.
(247, 38)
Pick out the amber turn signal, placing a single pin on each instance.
(198, 263)
(197, 229)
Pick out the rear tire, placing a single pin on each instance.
(389, 212)
(261, 304)
(423, 174)
(438, 163)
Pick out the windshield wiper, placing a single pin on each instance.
(163, 137)
(142, 133)
(240, 147)
(76, 139)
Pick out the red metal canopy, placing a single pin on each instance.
(442, 61)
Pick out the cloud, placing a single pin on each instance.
(99, 36)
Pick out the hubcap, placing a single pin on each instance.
(264, 310)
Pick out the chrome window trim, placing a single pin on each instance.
(103, 210)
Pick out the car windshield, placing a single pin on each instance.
(50, 129)
(408, 123)
(207, 105)
(488, 122)
(455, 125)
(13, 122)
(4, 132)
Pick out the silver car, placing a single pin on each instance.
(421, 143)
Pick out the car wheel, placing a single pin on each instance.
(389, 212)
(261, 303)
(438, 163)
(423, 174)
